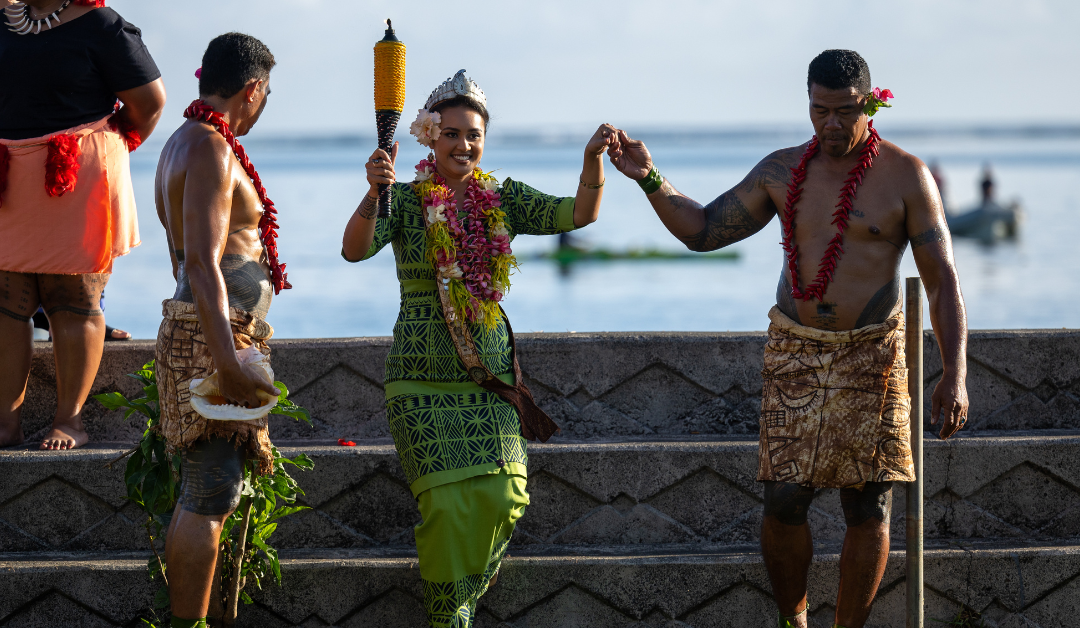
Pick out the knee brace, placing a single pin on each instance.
(212, 477)
(788, 502)
(874, 500)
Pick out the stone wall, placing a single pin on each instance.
(643, 513)
(609, 385)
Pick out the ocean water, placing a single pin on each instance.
(316, 183)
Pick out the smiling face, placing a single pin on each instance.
(461, 143)
(838, 118)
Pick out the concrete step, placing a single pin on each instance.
(1010, 585)
(606, 385)
(628, 493)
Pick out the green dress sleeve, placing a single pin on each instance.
(531, 212)
(386, 229)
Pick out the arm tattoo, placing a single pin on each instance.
(367, 207)
(727, 221)
(881, 305)
(937, 234)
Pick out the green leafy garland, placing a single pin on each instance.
(152, 478)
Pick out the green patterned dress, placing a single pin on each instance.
(448, 431)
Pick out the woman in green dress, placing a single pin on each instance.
(459, 439)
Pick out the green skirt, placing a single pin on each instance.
(461, 541)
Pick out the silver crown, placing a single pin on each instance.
(459, 85)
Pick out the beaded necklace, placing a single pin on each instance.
(829, 259)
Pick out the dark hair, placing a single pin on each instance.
(230, 61)
(464, 101)
(839, 69)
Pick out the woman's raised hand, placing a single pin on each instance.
(380, 168)
(601, 140)
(630, 157)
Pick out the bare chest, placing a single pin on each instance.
(876, 218)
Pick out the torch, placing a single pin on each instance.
(389, 98)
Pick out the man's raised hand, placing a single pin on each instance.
(630, 157)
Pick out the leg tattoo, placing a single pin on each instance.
(789, 503)
(873, 501)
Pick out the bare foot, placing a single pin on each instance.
(64, 437)
(112, 333)
(11, 437)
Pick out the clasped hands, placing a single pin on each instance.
(629, 157)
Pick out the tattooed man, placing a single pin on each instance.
(834, 402)
(211, 210)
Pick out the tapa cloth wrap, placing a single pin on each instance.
(835, 405)
(181, 356)
(81, 231)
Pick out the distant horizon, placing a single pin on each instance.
(563, 64)
(688, 132)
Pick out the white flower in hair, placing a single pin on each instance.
(426, 127)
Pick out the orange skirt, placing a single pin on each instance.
(81, 231)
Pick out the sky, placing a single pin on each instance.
(558, 65)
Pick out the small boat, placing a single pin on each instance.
(569, 255)
(988, 221)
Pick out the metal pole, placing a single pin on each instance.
(914, 518)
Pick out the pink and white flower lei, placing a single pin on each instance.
(477, 253)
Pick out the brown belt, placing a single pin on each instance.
(535, 423)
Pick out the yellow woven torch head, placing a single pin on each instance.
(389, 72)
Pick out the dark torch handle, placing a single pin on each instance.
(386, 122)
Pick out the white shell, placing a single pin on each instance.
(203, 388)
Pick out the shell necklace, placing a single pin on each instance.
(19, 22)
(829, 259)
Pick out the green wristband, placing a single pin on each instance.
(652, 181)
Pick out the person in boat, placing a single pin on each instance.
(220, 228)
(66, 204)
(835, 405)
(458, 409)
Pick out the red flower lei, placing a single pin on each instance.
(817, 289)
(268, 227)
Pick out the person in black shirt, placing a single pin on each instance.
(79, 91)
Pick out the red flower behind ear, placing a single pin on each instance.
(90, 3)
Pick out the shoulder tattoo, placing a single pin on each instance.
(937, 234)
(773, 171)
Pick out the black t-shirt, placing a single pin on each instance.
(69, 75)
